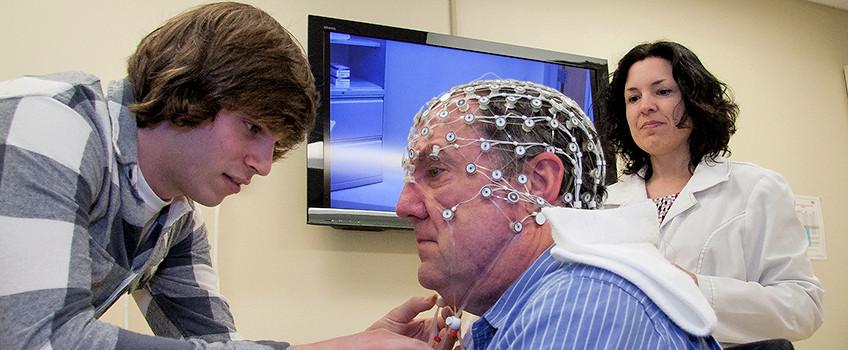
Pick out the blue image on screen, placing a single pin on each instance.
(378, 85)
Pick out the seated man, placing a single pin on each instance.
(498, 176)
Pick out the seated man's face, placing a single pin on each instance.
(458, 231)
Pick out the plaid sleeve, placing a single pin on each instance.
(54, 163)
(182, 299)
(51, 165)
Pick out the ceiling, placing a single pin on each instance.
(842, 4)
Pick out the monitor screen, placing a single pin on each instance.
(373, 79)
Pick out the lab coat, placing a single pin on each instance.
(734, 226)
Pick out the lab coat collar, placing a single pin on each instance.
(707, 174)
(628, 190)
(631, 189)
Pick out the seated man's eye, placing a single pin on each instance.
(434, 172)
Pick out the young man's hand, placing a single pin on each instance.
(401, 320)
(398, 330)
(376, 339)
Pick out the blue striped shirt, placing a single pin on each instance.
(556, 305)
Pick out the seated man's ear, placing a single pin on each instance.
(546, 172)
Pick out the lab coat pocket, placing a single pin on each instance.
(723, 253)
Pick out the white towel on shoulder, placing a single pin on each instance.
(623, 241)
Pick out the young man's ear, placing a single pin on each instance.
(546, 173)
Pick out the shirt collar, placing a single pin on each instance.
(150, 198)
(125, 143)
(120, 96)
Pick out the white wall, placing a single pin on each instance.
(287, 280)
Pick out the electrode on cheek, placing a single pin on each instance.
(447, 214)
(486, 192)
(517, 227)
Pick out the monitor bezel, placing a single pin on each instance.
(319, 211)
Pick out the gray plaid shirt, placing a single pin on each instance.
(76, 234)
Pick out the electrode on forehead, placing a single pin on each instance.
(434, 153)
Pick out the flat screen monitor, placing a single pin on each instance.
(374, 78)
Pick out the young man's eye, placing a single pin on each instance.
(252, 127)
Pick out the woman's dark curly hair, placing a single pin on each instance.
(708, 105)
(224, 56)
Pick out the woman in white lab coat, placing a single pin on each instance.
(730, 225)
